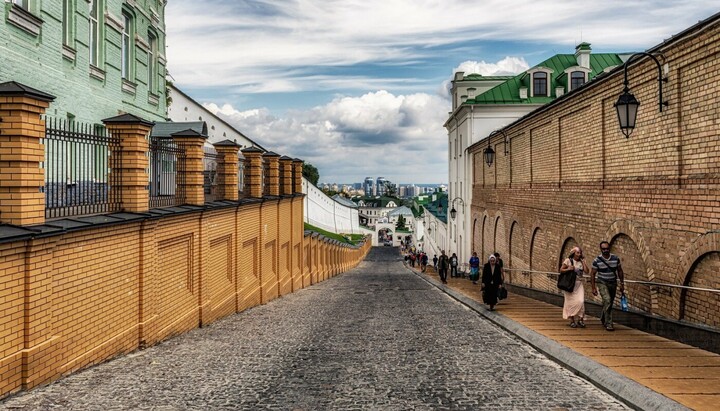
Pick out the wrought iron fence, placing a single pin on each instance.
(210, 177)
(241, 176)
(80, 169)
(167, 159)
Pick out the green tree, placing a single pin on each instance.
(311, 173)
(390, 189)
(400, 225)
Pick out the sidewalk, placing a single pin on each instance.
(620, 359)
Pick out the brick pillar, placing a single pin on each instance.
(253, 172)
(272, 173)
(133, 165)
(286, 175)
(21, 152)
(297, 175)
(190, 178)
(227, 169)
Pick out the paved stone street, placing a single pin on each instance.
(378, 337)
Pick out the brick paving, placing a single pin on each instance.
(375, 338)
(686, 374)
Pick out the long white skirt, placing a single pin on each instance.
(575, 301)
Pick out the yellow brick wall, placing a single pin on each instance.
(655, 195)
(83, 297)
(12, 285)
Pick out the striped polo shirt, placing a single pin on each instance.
(606, 272)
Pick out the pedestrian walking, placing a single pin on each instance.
(423, 261)
(499, 260)
(574, 305)
(453, 265)
(474, 268)
(435, 261)
(492, 280)
(608, 270)
(443, 264)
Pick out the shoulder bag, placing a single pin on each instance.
(566, 280)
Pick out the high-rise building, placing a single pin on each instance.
(381, 187)
(369, 186)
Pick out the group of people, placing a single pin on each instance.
(492, 275)
(417, 257)
(605, 272)
(606, 276)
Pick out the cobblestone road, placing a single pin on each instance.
(376, 338)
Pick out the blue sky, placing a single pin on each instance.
(359, 87)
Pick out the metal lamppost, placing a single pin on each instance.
(627, 105)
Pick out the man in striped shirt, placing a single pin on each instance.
(609, 271)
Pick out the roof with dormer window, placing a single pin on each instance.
(509, 91)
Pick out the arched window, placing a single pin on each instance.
(577, 79)
(540, 84)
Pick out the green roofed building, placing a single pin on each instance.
(482, 104)
(99, 58)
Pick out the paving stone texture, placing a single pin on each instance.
(375, 338)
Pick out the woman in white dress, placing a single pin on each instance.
(574, 306)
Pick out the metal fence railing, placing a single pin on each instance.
(79, 164)
(166, 180)
(210, 168)
(241, 177)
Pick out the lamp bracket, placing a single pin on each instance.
(661, 79)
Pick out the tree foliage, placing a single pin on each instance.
(400, 225)
(311, 173)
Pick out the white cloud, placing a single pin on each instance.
(374, 134)
(256, 43)
(504, 67)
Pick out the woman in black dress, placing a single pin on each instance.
(492, 279)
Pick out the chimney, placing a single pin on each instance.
(582, 53)
(471, 92)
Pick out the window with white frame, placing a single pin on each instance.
(94, 39)
(540, 86)
(24, 4)
(126, 56)
(68, 19)
(577, 79)
(152, 62)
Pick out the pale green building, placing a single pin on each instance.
(99, 58)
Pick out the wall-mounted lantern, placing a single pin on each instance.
(627, 105)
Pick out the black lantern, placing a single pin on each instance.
(453, 212)
(627, 108)
(489, 155)
(627, 105)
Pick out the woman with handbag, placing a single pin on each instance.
(574, 306)
(492, 280)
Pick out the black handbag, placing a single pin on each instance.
(502, 293)
(566, 280)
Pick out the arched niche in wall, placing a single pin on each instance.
(702, 307)
(640, 296)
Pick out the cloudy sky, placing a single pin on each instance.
(359, 87)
